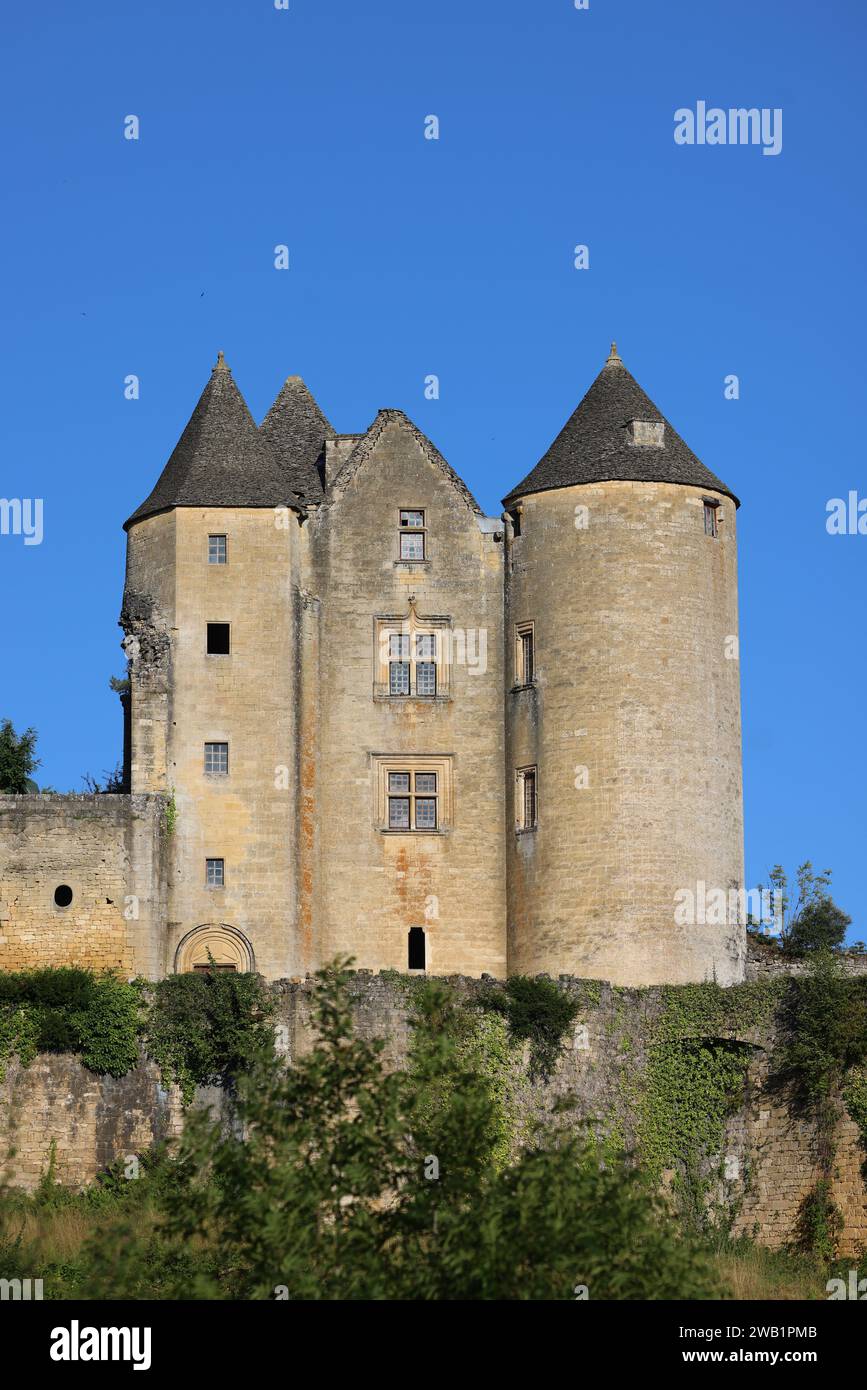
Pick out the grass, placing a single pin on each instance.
(44, 1235)
(750, 1271)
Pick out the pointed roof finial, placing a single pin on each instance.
(221, 365)
(613, 357)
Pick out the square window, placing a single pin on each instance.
(218, 639)
(398, 646)
(215, 873)
(217, 758)
(425, 646)
(412, 520)
(412, 545)
(217, 550)
(414, 795)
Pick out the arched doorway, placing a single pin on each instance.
(228, 947)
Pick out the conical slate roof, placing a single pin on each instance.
(596, 444)
(221, 459)
(297, 430)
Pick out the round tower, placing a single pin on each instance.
(623, 735)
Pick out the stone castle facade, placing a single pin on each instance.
(365, 719)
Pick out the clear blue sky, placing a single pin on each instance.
(411, 257)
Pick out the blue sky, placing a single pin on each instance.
(454, 257)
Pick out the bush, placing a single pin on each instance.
(538, 1012)
(824, 1033)
(356, 1181)
(820, 926)
(209, 1028)
(71, 1010)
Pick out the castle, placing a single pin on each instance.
(365, 719)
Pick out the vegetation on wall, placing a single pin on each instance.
(481, 1054)
(356, 1180)
(460, 1103)
(536, 1011)
(692, 1081)
(96, 1017)
(821, 1051)
(209, 1028)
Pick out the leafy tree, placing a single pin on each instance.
(343, 1178)
(810, 920)
(820, 925)
(111, 781)
(18, 759)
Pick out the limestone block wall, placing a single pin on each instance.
(182, 697)
(95, 1120)
(109, 851)
(369, 886)
(633, 722)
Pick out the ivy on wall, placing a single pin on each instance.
(819, 1061)
(537, 1012)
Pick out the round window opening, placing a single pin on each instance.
(63, 895)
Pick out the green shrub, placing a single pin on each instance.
(209, 1028)
(824, 1030)
(819, 1223)
(96, 1017)
(537, 1012)
(357, 1181)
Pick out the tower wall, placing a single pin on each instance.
(637, 681)
(246, 699)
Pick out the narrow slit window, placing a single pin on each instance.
(710, 519)
(525, 654)
(527, 807)
(416, 954)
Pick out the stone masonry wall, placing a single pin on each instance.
(771, 1152)
(108, 851)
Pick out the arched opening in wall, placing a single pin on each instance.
(226, 946)
(63, 895)
(416, 952)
